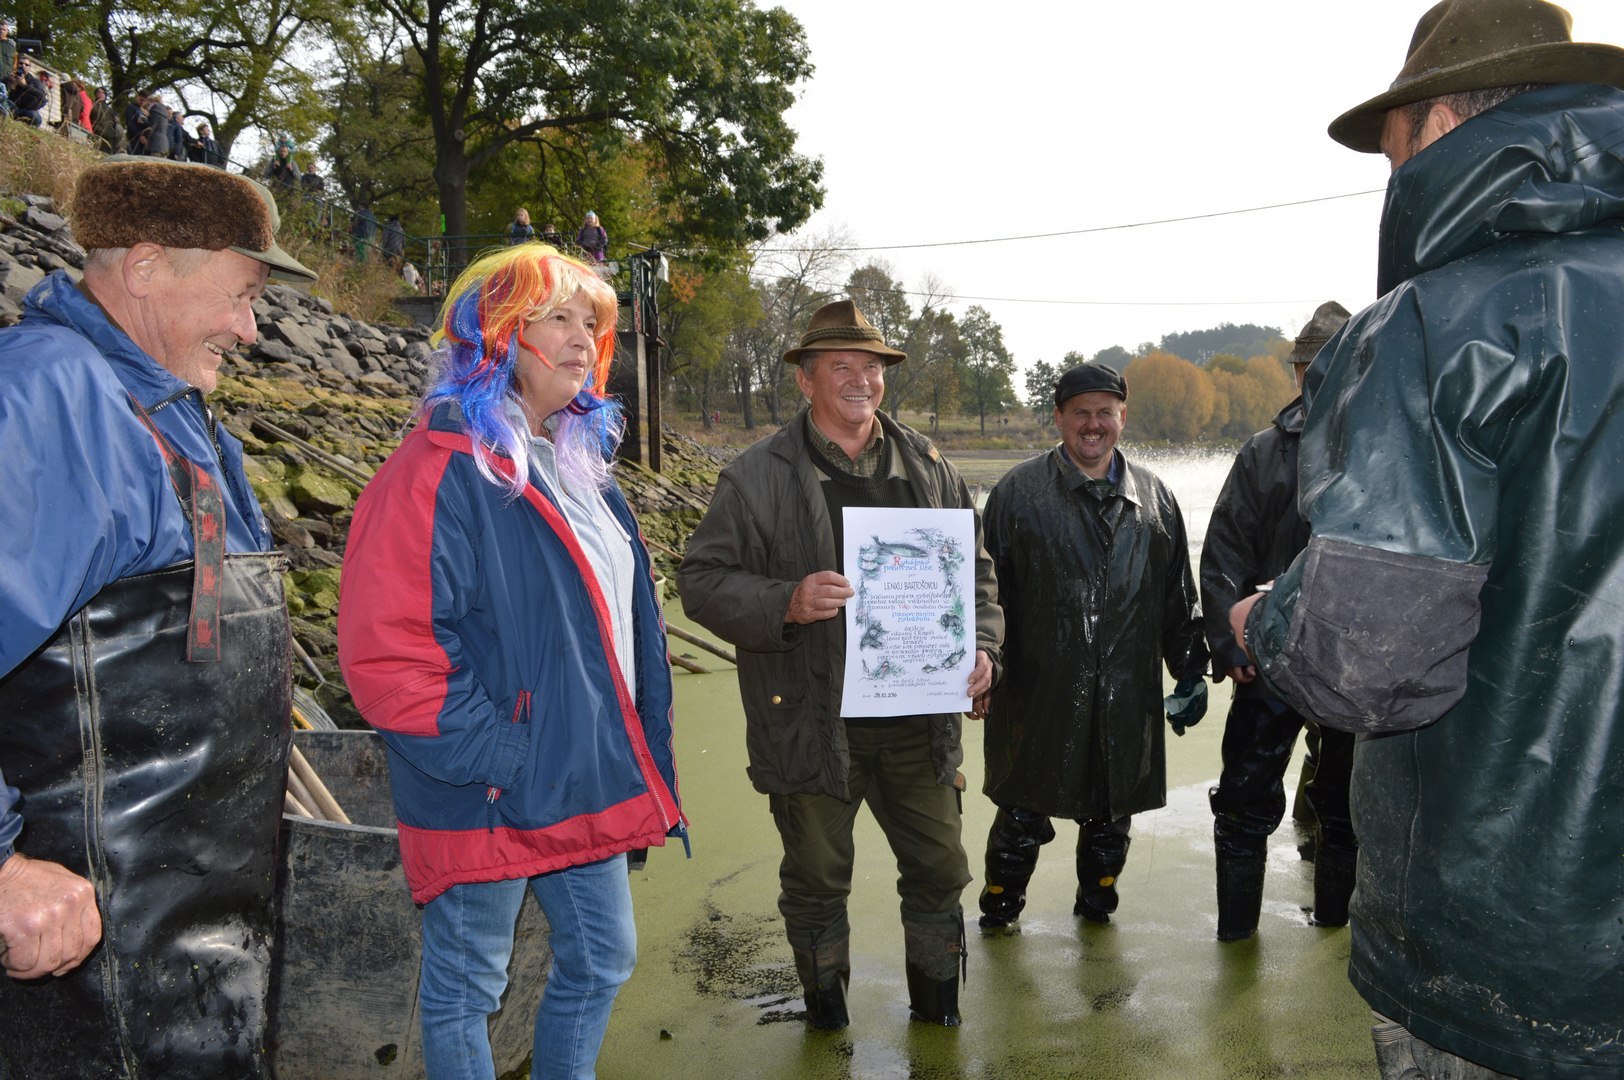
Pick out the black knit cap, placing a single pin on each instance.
(1086, 378)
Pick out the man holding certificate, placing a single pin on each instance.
(766, 570)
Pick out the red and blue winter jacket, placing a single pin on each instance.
(475, 638)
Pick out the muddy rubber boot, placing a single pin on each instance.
(1333, 886)
(935, 961)
(1012, 856)
(1102, 852)
(825, 971)
(1240, 895)
(1002, 903)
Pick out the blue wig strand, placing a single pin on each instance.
(481, 386)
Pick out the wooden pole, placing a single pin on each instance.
(300, 795)
(686, 664)
(294, 806)
(324, 800)
(708, 646)
(662, 549)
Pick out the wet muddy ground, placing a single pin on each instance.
(1152, 995)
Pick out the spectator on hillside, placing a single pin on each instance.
(413, 279)
(155, 136)
(104, 123)
(521, 229)
(75, 104)
(8, 51)
(53, 92)
(135, 120)
(177, 137)
(363, 230)
(593, 239)
(27, 98)
(551, 235)
(204, 148)
(282, 171)
(394, 241)
(311, 183)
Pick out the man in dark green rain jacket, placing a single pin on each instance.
(1460, 600)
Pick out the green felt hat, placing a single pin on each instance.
(1462, 45)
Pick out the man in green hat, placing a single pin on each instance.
(764, 570)
(144, 644)
(1255, 532)
(1458, 603)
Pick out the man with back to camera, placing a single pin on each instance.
(1254, 534)
(764, 571)
(1458, 602)
(144, 639)
(1094, 577)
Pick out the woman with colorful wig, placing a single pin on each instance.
(498, 625)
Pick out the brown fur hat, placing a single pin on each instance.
(126, 200)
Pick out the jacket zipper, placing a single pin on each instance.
(521, 708)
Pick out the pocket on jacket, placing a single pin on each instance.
(789, 743)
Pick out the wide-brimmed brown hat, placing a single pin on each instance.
(1462, 45)
(839, 327)
(127, 200)
(1328, 319)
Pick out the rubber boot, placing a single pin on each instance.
(1002, 903)
(935, 962)
(1333, 885)
(1240, 895)
(825, 971)
(1012, 855)
(1102, 852)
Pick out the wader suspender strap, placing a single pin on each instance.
(205, 510)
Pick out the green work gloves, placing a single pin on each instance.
(1187, 704)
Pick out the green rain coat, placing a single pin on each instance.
(1463, 472)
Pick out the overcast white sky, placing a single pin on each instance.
(954, 121)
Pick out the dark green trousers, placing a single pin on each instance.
(891, 770)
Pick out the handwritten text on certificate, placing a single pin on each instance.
(911, 628)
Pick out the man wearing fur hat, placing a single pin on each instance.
(1094, 576)
(764, 571)
(1460, 595)
(1254, 534)
(143, 644)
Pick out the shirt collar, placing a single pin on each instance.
(834, 450)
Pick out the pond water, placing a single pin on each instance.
(1195, 474)
(1150, 995)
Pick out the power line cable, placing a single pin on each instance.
(1093, 228)
(954, 298)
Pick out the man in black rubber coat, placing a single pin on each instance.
(1094, 576)
(1254, 534)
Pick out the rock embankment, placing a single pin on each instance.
(319, 402)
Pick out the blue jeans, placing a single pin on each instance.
(467, 939)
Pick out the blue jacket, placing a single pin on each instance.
(87, 499)
(474, 636)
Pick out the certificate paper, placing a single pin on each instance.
(910, 630)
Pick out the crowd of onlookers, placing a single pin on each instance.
(30, 92)
(591, 240)
(150, 126)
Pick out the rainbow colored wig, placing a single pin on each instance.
(477, 341)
